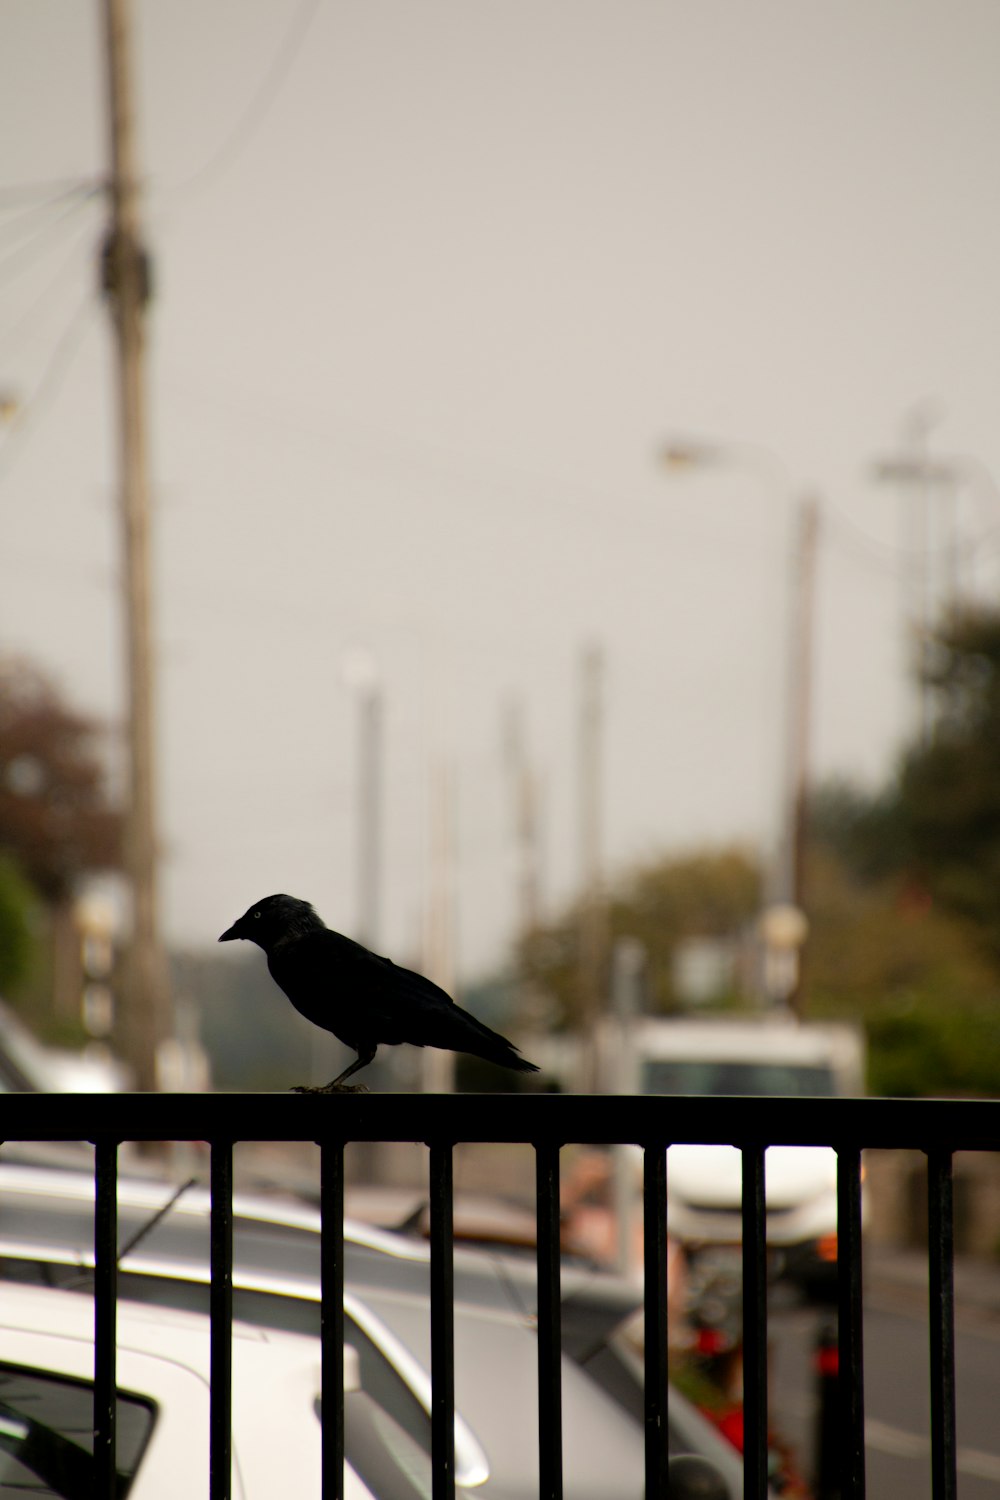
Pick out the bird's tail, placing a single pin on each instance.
(480, 1041)
(436, 1021)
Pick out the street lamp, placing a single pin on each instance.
(689, 453)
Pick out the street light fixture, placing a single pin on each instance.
(690, 453)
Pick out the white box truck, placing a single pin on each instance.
(755, 1057)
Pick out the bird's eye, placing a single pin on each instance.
(256, 915)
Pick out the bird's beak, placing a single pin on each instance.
(231, 933)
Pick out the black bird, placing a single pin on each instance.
(363, 999)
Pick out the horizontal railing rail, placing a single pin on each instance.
(939, 1128)
(920, 1124)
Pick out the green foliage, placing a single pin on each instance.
(881, 940)
(937, 823)
(913, 975)
(704, 894)
(926, 1047)
(18, 927)
(911, 940)
(866, 831)
(948, 789)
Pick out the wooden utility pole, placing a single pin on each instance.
(800, 691)
(524, 802)
(438, 1066)
(144, 998)
(593, 917)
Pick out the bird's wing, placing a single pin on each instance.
(358, 995)
(421, 1013)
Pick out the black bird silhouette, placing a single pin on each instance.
(363, 999)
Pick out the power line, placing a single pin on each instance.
(259, 106)
(24, 256)
(16, 214)
(48, 386)
(892, 557)
(25, 192)
(44, 297)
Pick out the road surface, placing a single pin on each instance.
(897, 1403)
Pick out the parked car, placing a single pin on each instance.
(46, 1233)
(46, 1405)
(28, 1066)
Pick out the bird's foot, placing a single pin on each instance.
(330, 1088)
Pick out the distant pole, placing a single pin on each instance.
(913, 468)
(369, 862)
(929, 488)
(439, 1065)
(592, 915)
(800, 693)
(918, 431)
(360, 673)
(524, 803)
(145, 998)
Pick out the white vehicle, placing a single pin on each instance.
(773, 1055)
(46, 1233)
(27, 1066)
(46, 1403)
(765, 1057)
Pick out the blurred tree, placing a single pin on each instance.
(880, 952)
(912, 974)
(911, 940)
(57, 822)
(865, 830)
(949, 788)
(56, 819)
(936, 826)
(704, 894)
(17, 929)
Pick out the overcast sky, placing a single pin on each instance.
(433, 284)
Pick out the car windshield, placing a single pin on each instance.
(47, 1435)
(728, 1076)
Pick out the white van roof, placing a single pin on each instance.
(767, 1039)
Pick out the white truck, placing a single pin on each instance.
(763, 1056)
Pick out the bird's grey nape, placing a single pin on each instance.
(299, 916)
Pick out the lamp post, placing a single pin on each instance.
(786, 894)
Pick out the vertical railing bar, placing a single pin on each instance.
(754, 1325)
(442, 1322)
(850, 1325)
(105, 1317)
(941, 1288)
(332, 1316)
(550, 1446)
(221, 1311)
(654, 1215)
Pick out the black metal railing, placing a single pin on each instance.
(938, 1128)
